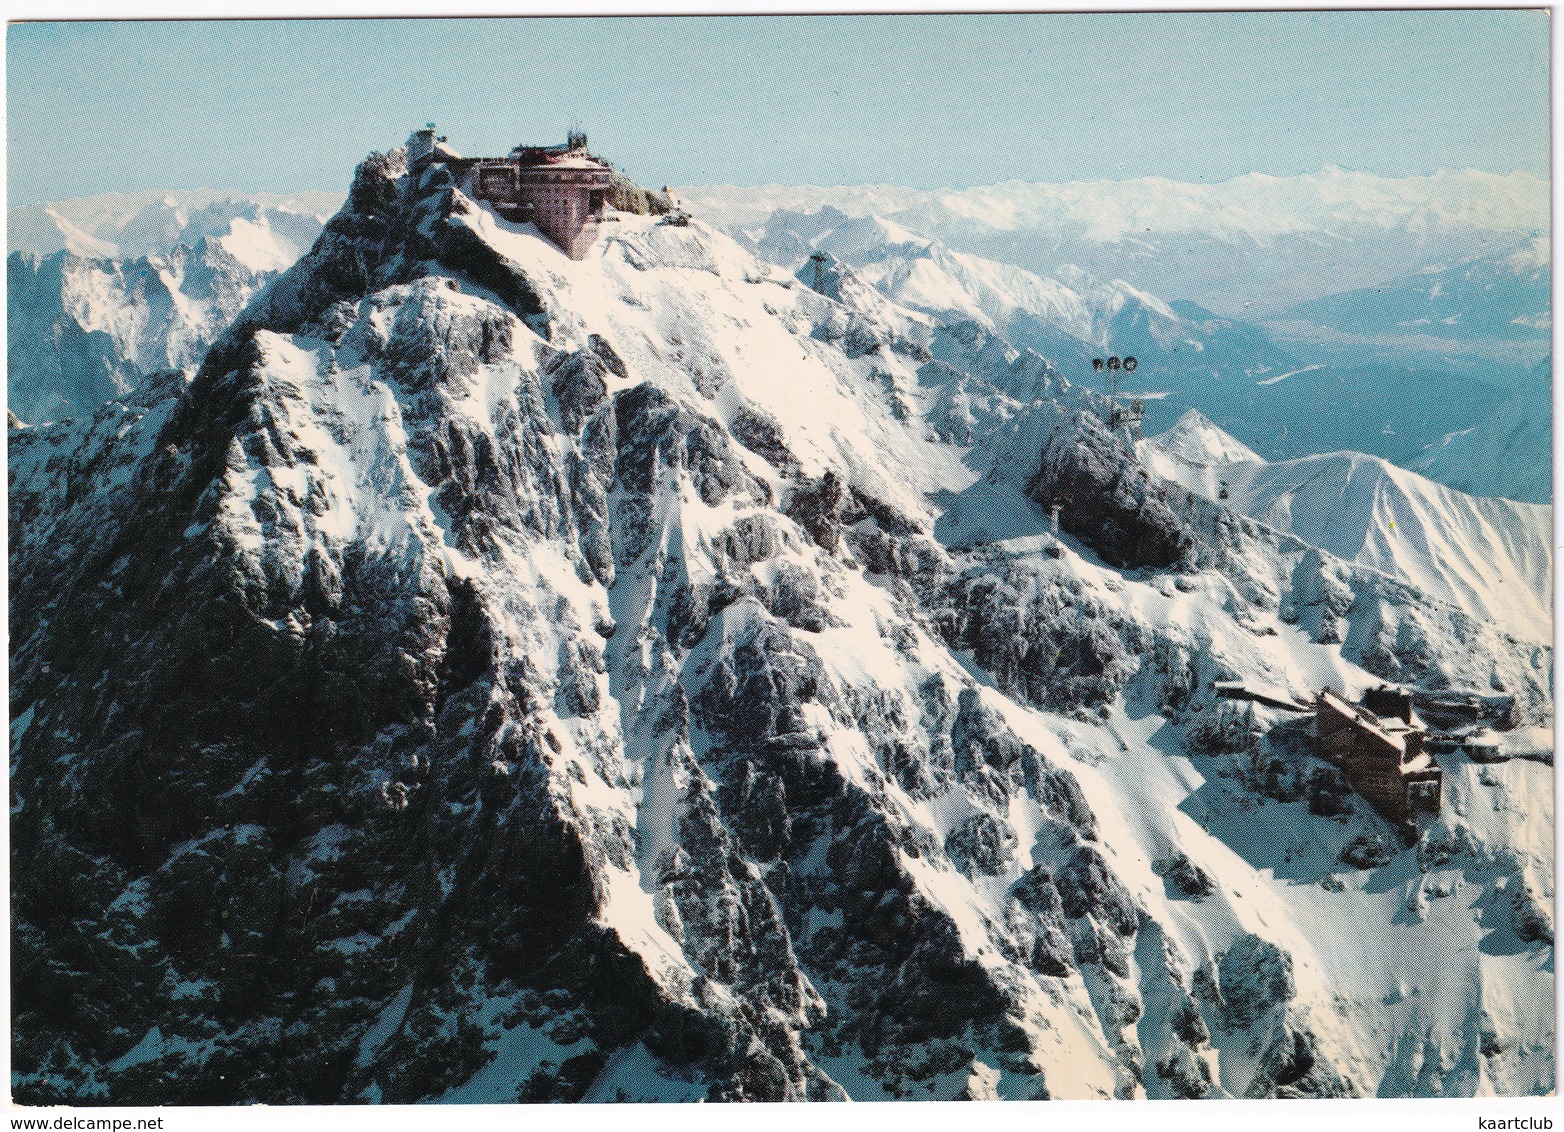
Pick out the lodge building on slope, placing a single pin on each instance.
(1380, 745)
(561, 189)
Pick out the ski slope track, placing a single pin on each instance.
(495, 677)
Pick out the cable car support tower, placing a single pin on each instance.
(1120, 416)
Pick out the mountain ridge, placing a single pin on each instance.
(152, 222)
(1366, 510)
(1188, 357)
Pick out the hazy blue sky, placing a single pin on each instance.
(927, 101)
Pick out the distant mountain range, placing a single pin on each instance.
(82, 330)
(1253, 244)
(1500, 296)
(264, 231)
(1070, 317)
(103, 291)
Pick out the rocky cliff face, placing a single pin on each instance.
(501, 678)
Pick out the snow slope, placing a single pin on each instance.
(1509, 453)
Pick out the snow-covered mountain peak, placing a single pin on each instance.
(648, 676)
(1196, 440)
(871, 233)
(1491, 558)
